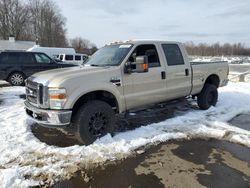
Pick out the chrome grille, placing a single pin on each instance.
(32, 92)
(37, 94)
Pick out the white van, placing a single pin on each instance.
(52, 52)
(73, 58)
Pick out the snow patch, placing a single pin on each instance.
(25, 161)
(230, 59)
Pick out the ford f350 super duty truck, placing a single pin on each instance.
(119, 77)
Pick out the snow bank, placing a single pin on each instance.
(229, 59)
(25, 161)
(2, 82)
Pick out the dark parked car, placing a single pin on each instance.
(16, 66)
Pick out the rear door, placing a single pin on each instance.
(78, 59)
(178, 72)
(9, 63)
(4, 65)
(28, 63)
(69, 58)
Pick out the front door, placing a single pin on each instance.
(44, 62)
(145, 88)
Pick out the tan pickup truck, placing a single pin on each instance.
(119, 77)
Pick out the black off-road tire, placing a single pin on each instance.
(16, 79)
(94, 120)
(208, 97)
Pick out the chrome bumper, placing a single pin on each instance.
(48, 118)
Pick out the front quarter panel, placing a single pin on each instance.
(79, 86)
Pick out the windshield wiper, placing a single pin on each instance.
(102, 65)
(109, 65)
(95, 65)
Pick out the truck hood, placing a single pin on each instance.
(57, 76)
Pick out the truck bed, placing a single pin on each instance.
(201, 70)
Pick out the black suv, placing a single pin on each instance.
(16, 66)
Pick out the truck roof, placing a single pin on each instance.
(143, 41)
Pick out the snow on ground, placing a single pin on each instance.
(229, 59)
(2, 82)
(25, 161)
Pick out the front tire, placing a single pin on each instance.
(208, 97)
(16, 79)
(94, 120)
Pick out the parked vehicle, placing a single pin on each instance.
(117, 78)
(73, 58)
(16, 66)
(51, 51)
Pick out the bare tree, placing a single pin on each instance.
(48, 24)
(14, 18)
(82, 45)
(31, 20)
(217, 49)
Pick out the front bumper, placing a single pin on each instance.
(48, 118)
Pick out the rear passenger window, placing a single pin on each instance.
(69, 57)
(173, 54)
(78, 58)
(26, 58)
(13, 57)
(4, 58)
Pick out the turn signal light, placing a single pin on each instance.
(145, 67)
(58, 96)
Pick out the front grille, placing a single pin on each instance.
(34, 92)
(31, 84)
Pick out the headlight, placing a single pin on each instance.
(57, 97)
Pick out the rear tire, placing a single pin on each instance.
(208, 97)
(16, 79)
(94, 120)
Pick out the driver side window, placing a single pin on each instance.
(150, 51)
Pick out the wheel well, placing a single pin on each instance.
(97, 95)
(213, 80)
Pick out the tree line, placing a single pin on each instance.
(40, 21)
(217, 49)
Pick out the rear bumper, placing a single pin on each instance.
(48, 118)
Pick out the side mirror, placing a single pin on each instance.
(52, 61)
(139, 66)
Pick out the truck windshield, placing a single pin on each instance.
(111, 55)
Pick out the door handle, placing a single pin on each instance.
(187, 72)
(116, 81)
(163, 75)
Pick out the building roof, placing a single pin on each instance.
(15, 45)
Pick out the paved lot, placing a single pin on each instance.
(194, 163)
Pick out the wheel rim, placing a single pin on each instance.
(97, 124)
(16, 79)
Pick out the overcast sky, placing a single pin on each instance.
(103, 21)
